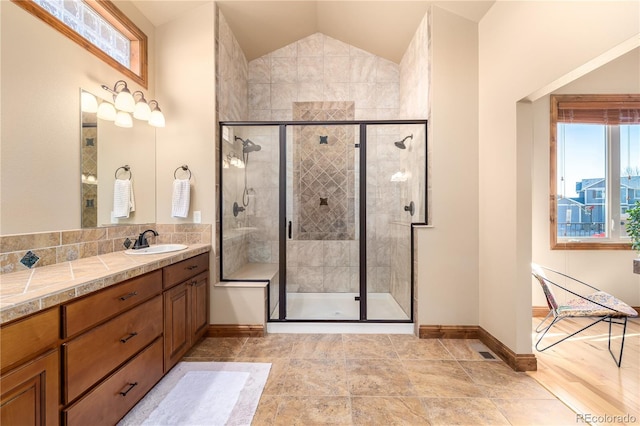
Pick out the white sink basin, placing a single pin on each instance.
(158, 249)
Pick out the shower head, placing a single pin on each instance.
(400, 144)
(248, 146)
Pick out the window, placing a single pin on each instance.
(99, 27)
(595, 169)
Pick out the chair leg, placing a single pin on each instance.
(555, 321)
(623, 323)
(540, 330)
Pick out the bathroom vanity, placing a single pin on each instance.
(91, 358)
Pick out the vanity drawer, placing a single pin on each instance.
(106, 402)
(29, 337)
(85, 313)
(182, 271)
(94, 354)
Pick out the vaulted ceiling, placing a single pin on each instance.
(384, 28)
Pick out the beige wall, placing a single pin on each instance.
(448, 252)
(525, 47)
(42, 73)
(186, 85)
(610, 270)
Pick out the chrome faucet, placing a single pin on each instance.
(141, 241)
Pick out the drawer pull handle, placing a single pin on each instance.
(131, 386)
(126, 339)
(192, 267)
(194, 283)
(126, 296)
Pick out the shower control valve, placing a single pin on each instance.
(237, 209)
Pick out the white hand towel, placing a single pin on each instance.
(132, 201)
(122, 198)
(180, 198)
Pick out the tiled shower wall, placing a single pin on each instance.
(231, 97)
(319, 68)
(415, 102)
(323, 173)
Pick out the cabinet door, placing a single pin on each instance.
(30, 393)
(199, 306)
(177, 320)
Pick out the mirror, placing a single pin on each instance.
(106, 152)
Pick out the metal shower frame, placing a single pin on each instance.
(362, 145)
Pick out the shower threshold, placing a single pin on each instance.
(341, 306)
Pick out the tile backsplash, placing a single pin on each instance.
(63, 246)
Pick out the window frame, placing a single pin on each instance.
(107, 9)
(612, 167)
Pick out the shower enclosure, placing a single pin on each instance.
(323, 209)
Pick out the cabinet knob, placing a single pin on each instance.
(131, 386)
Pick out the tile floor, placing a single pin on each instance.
(386, 379)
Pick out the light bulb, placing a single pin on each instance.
(125, 101)
(123, 119)
(156, 119)
(142, 110)
(88, 102)
(106, 111)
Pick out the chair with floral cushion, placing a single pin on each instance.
(598, 305)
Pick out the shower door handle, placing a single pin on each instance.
(289, 229)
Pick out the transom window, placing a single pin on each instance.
(101, 28)
(595, 169)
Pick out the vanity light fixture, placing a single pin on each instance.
(106, 111)
(142, 110)
(127, 103)
(123, 119)
(156, 119)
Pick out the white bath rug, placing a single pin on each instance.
(202, 393)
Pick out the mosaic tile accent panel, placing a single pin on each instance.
(89, 170)
(322, 171)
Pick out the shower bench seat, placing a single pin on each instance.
(256, 271)
(239, 305)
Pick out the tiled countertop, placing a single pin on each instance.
(25, 292)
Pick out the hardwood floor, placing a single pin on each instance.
(582, 374)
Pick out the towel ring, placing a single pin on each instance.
(126, 168)
(183, 167)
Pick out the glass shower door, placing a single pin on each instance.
(322, 244)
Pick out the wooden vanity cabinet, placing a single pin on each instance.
(90, 360)
(30, 380)
(112, 352)
(186, 306)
